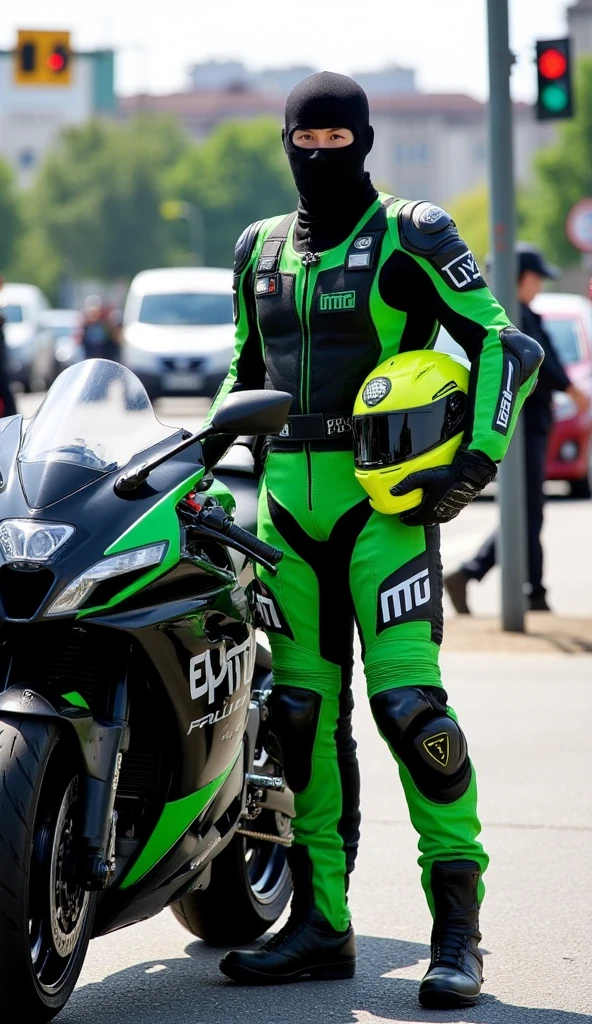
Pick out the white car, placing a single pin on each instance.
(21, 305)
(178, 331)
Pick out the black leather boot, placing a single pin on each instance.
(455, 973)
(306, 947)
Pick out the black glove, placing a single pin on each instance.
(446, 489)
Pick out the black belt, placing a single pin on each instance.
(328, 428)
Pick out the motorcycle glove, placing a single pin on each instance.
(446, 489)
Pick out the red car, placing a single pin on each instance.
(568, 319)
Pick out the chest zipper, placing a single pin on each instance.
(309, 259)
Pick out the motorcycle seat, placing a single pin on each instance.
(237, 470)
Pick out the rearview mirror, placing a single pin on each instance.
(252, 412)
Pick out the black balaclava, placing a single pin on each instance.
(333, 187)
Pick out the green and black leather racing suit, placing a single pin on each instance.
(315, 324)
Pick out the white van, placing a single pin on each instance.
(178, 331)
(21, 306)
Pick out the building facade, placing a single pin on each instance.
(427, 145)
(579, 26)
(31, 117)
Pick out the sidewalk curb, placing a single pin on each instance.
(544, 632)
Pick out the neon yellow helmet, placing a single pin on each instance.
(409, 415)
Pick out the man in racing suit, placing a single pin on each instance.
(322, 296)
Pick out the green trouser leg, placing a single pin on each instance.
(337, 551)
(407, 655)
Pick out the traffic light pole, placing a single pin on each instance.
(512, 532)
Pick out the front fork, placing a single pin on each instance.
(96, 862)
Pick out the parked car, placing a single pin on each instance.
(21, 306)
(568, 319)
(178, 334)
(57, 345)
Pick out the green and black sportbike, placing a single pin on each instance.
(133, 773)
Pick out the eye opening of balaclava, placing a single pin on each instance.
(327, 100)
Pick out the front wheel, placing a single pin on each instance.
(45, 918)
(249, 887)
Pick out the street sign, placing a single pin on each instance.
(43, 58)
(578, 225)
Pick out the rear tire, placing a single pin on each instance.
(45, 919)
(249, 888)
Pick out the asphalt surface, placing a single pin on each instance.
(529, 721)
(532, 753)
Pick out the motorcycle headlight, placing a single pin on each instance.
(129, 561)
(24, 540)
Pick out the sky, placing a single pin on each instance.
(445, 40)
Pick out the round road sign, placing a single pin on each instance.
(578, 225)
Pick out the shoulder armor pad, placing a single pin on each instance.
(423, 228)
(245, 245)
(428, 231)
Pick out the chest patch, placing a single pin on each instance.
(334, 302)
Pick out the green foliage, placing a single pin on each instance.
(563, 176)
(10, 217)
(238, 175)
(96, 208)
(471, 214)
(96, 202)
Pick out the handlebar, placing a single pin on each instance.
(213, 519)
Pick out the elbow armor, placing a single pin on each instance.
(527, 352)
(522, 357)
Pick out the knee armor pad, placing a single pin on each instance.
(432, 746)
(291, 732)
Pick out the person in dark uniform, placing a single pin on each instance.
(99, 331)
(538, 420)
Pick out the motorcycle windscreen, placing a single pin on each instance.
(386, 438)
(95, 418)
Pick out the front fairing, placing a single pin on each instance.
(105, 522)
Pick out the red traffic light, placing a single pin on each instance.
(58, 59)
(552, 63)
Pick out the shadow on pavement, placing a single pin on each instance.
(192, 990)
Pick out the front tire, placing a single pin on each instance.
(249, 888)
(45, 919)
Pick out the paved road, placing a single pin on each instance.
(532, 753)
(529, 724)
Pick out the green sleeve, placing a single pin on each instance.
(504, 362)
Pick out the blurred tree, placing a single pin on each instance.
(10, 219)
(563, 175)
(471, 214)
(238, 175)
(95, 207)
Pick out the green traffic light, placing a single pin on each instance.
(554, 97)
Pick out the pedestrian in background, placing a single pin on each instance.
(7, 403)
(100, 334)
(537, 417)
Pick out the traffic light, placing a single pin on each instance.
(43, 58)
(554, 73)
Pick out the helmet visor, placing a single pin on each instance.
(387, 438)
